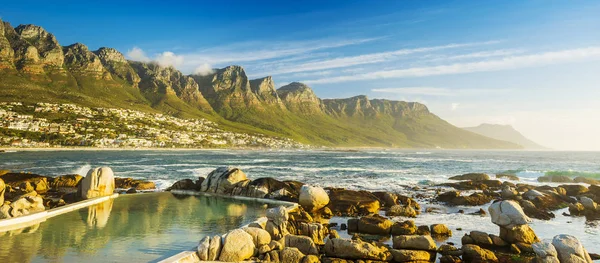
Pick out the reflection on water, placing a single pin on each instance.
(145, 227)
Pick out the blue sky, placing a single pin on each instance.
(532, 64)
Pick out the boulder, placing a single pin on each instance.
(278, 215)
(518, 234)
(259, 236)
(137, 184)
(2, 190)
(291, 255)
(545, 252)
(532, 194)
(38, 183)
(203, 247)
(588, 203)
(474, 253)
(214, 250)
(23, 205)
(97, 182)
(454, 198)
(508, 213)
(311, 259)
(314, 231)
(267, 185)
(313, 198)
(508, 192)
(400, 210)
(356, 249)
(374, 225)
(481, 238)
(303, 243)
(386, 199)
(586, 180)
(440, 230)
(576, 209)
(407, 227)
(414, 242)
(237, 246)
(66, 181)
(574, 189)
(555, 179)
(570, 250)
(223, 180)
(184, 184)
(349, 203)
(471, 177)
(405, 255)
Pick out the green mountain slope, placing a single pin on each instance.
(505, 133)
(34, 67)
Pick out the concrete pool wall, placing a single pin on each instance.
(190, 256)
(35, 218)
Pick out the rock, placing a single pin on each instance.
(471, 177)
(588, 203)
(421, 230)
(466, 239)
(222, 180)
(2, 190)
(508, 176)
(131, 191)
(414, 242)
(569, 249)
(214, 250)
(399, 210)
(576, 209)
(315, 231)
(264, 249)
(545, 252)
(448, 196)
(508, 213)
(508, 192)
(574, 189)
(519, 234)
(303, 243)
(374, 225)
(355, 249)
(291, 255)
(264, 187)
(184, 184)
(498, 241)
(276, 245)
(532, 194)
(586, 180)
(98, 182)
(237, 246)
(311, 259)
(333, 234)
(555, 179)
(259, 236)
(440, 230)
(386, 199)
(450, 259)
(481, 238)
(515, 249)
(404, 228)
(23, 205)
(278, 215)
(137, 184)
(446, 249)
(349, 203)
(203, 247)
(405, 255)
(474, 253)
(313, 198)
(454, 198)
(66, 181)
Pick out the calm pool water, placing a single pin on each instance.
(130, 228)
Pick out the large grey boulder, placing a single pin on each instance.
(570, 250)
(313, 198)
(237, 246)
(278, 215)
(222, 180)
(203, 247)
(97, 182)
(508, 214)
(214, 250)
(414, 242)
(356, 249)
(588, 203)
(545, 252)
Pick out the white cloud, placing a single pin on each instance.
(512, 62)
(368, 58)
(454, 106)
(433, 91)
(169, 58)
(203, 70)
(137, 54)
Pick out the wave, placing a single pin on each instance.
(82, 170)
(573, 174)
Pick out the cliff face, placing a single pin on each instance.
(7, 54)
(116, 64)
(79, 60)
(264, 89)
(49, 51)
(300, 98)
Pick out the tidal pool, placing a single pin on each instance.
(131, 228)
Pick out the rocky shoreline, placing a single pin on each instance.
(306, 235)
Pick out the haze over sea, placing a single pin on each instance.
(389, 170)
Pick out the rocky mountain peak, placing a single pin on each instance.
(26, 57)
(6, 52)
(50, 51)
(107, 54)
(79, 59)
(264, 88)
(300, 98)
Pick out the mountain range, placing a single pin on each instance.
(505, 133)
(34, 67)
